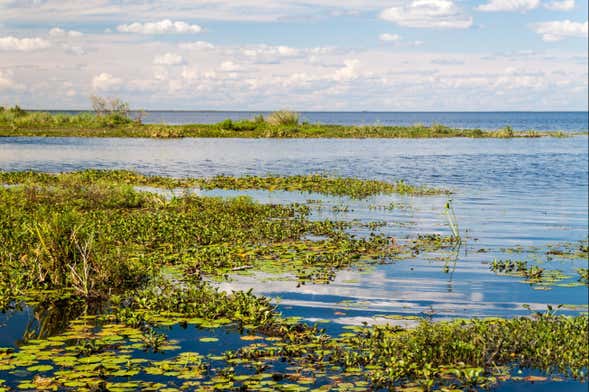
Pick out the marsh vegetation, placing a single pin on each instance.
(111, 118)
(110, 270)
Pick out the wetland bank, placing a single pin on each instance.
(113, 119)
(279, 264)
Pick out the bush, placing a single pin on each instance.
(12, 112)
(283, 117)
(109, 106)
(244, 125)
(225, 124)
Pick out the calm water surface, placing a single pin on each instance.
(527, 193)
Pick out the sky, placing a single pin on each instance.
(381, 55)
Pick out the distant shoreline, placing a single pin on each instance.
(311, 131)
(316, 111)
(283, 124)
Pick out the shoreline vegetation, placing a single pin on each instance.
(111, 118)
(356, 188)
(108, 269)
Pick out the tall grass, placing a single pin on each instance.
(284, 118)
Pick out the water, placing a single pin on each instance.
(544, 121)
(528, 193)
(521, 192)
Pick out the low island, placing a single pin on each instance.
(113, 119)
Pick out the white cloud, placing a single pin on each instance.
(287, 51)
(509, 5)
(57, 32)
(348, 72)
(193, 73)
(268, 50)
(559, 29)
(23, 44)
(168, 59)
(165, 26)
(560, 5)
(190, 73)
(7, 83)
(428, 14)
(73, 49)
(230, 10)
(229, 66)
(386, 37)
(105, 82)
(197, 45)
(304, 78)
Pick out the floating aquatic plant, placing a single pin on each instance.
(107, 269)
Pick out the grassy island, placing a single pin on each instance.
(108, 269)
(118, 123)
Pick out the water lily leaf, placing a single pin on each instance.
(535, 378)
(208, 340)
(251, 337)
(40, 368)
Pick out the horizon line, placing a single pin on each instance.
(323, 111)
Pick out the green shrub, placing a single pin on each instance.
(243, 125)
(225, 124)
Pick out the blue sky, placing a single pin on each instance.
(321, 55)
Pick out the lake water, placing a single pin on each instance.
(513, 198)
(520, 192)
(544, 121)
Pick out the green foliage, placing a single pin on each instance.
(244, 125)
(13, 112)
(534, 274)
(505, 132)
(78, 123)
(116, 122)
(353, 187)
(68, 238)
(200, 300)
(459, 354)
(91, 233)
(101, 180)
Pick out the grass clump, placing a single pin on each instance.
(13, 121)
(284, 118)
